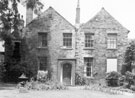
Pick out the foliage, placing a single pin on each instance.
(124, 68)
(112, 78)
(36, 5)
(132, 87)
(26, 61)
(129, 79)
(129, 56)
(48, 85)
(10, 21)
(79, 80)
(109, 90)
(2, 70)
(42, 76)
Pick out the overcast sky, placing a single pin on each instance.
(121, 10)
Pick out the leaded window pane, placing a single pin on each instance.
(67, 39)
(89, 40)
(89, 64)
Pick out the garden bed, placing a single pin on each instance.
(109, 90)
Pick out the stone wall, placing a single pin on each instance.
(55, 25)
(101, 25)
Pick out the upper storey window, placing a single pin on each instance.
(67, 40)
(42, 39)
(112, 41)
(89, 40)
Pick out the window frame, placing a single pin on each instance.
(89, 40)
(45, 59)
(67, 40)
(112, 41)
(87, 60)
(43, 39)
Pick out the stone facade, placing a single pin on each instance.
(52, 23)
(101, 25)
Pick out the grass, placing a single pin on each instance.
(73, 92)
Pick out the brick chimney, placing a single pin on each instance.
(77, 20)
(29, 15)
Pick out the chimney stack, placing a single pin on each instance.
(77, 21)
(29, 15)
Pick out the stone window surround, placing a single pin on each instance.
(85, 70)
(113, 37)
(46, 58)
(90, 34)
(67, 40)
(45, 39)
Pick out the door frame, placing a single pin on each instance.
(60, 69)
(63, 73)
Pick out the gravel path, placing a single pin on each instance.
(73, 92)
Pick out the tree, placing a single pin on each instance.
(10, 22)
(129, 56)
(35, 5)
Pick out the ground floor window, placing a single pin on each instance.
(88, 66)
(43, 63)
(111, 64)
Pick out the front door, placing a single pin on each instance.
(67, 74)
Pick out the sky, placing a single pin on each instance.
(122, 10)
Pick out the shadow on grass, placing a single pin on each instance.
(7, 86)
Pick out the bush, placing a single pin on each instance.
(79, 80)
(42, 76)
(2, 72)
(124, 69)
(122, 80)
(50, 85)
(112, 78)
(132, 87)
(130, 78)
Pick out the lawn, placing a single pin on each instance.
(73, 92)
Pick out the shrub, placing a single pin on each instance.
(124, 68)
(50, 85)
(112, 78)
(132, 87)
(2, 71)
(42, 76)
(122, 80)
(130, 78)
(79, 80)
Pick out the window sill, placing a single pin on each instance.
(89, 77)
(88, 48)
(111, 48)
(67, 48)
(42, 47)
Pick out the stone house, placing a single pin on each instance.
(90, 49)
(101, 43)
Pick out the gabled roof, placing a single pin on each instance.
(103, 20)
(46, 12)
(52, 9)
